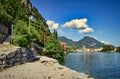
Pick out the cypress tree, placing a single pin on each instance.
(55, 35)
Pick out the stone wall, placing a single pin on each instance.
(17, 57)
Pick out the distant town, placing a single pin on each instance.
(84, 49)
(87, 44)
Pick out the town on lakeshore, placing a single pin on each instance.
(86, 45)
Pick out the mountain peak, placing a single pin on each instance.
(88, 37)
(90, 42)
(87, 41)
(69, 42)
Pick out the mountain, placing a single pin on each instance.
(88, 42)
(69, 42)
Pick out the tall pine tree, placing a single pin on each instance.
(55, 35)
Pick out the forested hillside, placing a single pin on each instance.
(29, 27)
(24, 17)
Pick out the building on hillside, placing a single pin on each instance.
(30, 17)
(33, 18)
(27, 3)
(64, 45)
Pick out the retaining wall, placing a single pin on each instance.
(19, 56)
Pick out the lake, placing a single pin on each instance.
(98, 65)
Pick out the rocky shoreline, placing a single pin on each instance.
(45, 68)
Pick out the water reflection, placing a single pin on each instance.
(99, 65)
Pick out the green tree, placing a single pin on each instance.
(34, 33)
(118, 49)
(54, 49)
(21, 40)
(5, 18)
(55, 35)
(21, 28)
(12, 11)
(24, 35)
(107, 48)
(68, 49)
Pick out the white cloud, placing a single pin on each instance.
(86, 30)
(105, 42)
(52, 25)
(80, 25)
(76, 24)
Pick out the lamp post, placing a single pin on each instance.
(29, 21)
(29, 17)
(12, 32)
(44, 40)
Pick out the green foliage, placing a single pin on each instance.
(107, 48)
(118, 49)
(10, 9)
(24, 35)
(20, 28)
(13, 10)
(55, 35)
(54, 49)
(68, 49)
(21, 40)
(5, 18)
(35, 35)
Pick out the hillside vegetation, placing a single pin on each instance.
(17, 12)
(29, 27)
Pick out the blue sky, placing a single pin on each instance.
(78, 18)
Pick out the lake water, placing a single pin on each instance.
(98, 65)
